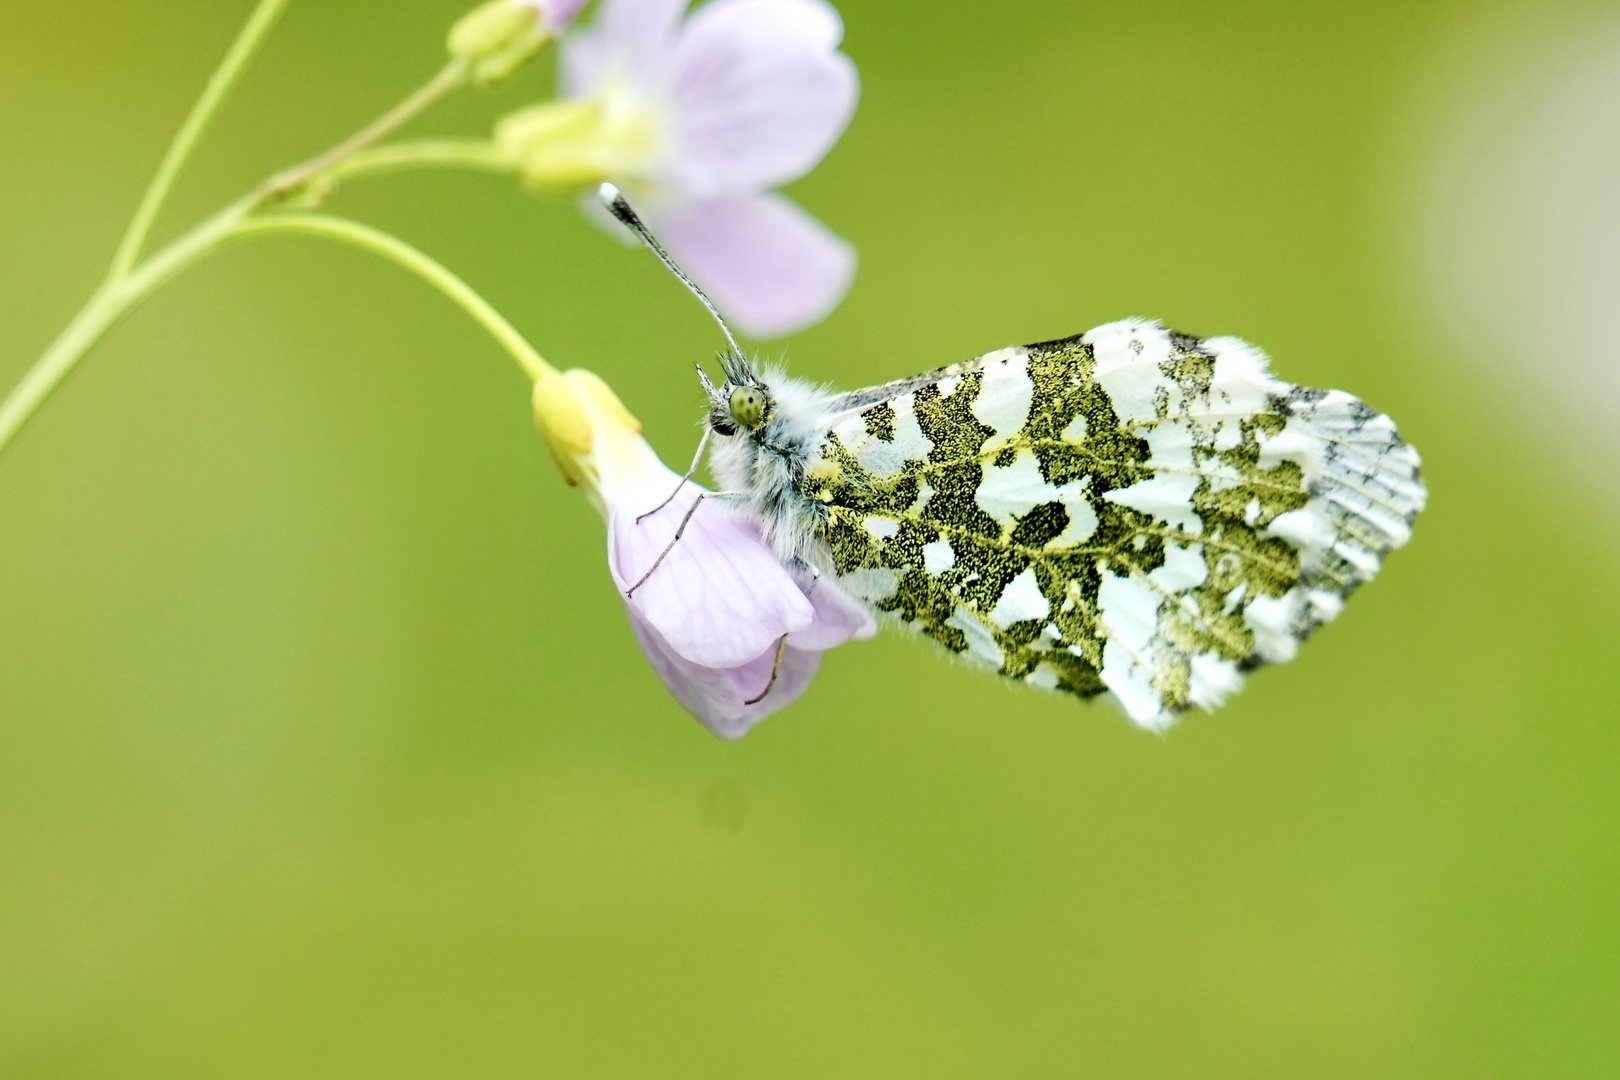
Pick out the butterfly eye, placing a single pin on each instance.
(748, 406)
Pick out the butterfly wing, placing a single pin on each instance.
(1131, 510)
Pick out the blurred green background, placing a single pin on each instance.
(325, 749)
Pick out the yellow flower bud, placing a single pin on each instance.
(564, 425)
(578, 418)
(490, 29)
(602, 397)
(498, 38)
(570, 145)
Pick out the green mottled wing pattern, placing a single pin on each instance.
(1129, 511)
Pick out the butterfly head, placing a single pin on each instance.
(740, 404)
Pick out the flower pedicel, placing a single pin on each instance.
(705, 115)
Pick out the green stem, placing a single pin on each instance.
(451, 78)
(127, 284)
(117, 299)
(478, 154)
(423, 266)
(106, 308)
(130, 281)
(219, 85)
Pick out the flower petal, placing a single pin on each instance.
(720, 598)
(634, 38)
(839, 617)
(769, 265)
(556, 13)
(760, 94)
(718, 696)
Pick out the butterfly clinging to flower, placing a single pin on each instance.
(1130, 511)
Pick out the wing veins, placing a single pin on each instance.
(1166, 532)
(1202, 619)
(938, 467)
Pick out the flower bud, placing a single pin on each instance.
(569, 145)
(579, 419)
(491, 28)
(603, 402)
(499, 37)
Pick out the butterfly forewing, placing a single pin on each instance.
(1131, 510)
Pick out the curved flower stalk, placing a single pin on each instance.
(700, 118)
(475, 44)
(728, 629)
(732, 635)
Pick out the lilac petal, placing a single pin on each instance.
(720, 598)
(760, 94)
(769, 265)
(839, 617)
(556, 13)
(631, 37)
(717, 696)
(579, 63)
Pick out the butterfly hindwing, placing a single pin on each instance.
(1131, 510)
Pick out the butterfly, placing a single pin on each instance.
(1131, 511)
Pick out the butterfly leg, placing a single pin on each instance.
(776, 669)
(679, 531)
(697, 459)
(799, 565)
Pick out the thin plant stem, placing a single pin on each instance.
(230, 69)
(130, 281)
(451, 78)
(422, 265)
(477, 154)
(117, 299)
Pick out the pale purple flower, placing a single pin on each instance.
(703, 117)
(711, 616)
(554, 14)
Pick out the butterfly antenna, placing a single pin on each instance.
(614, 200)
